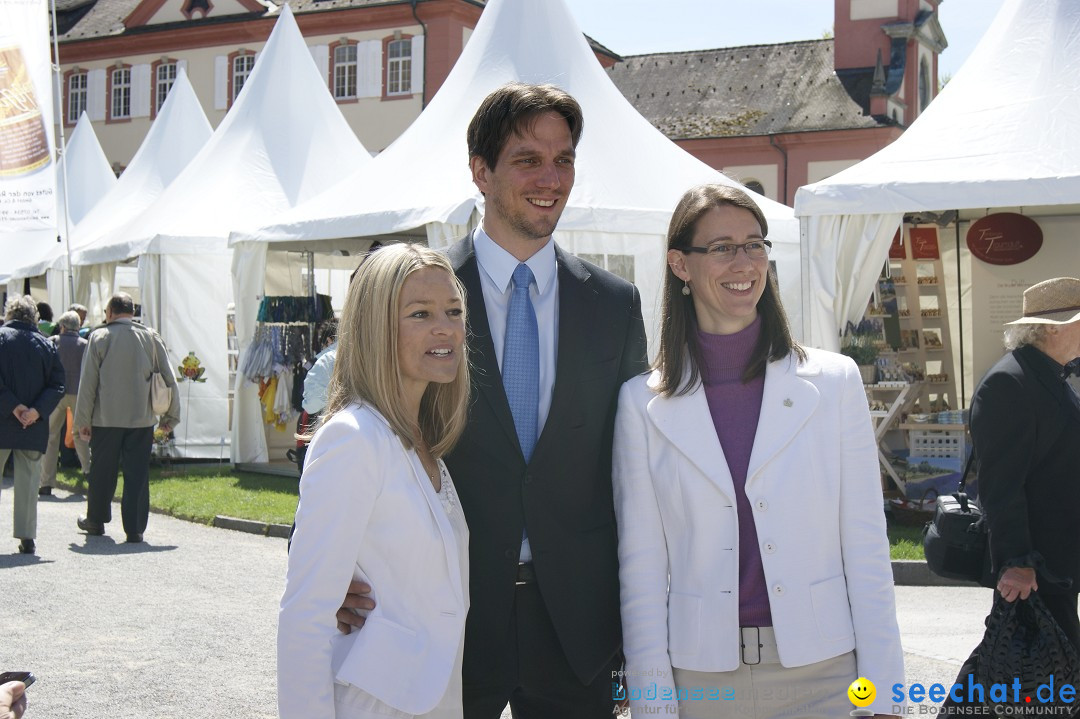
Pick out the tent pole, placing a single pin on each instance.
(960, 313)
(314, 301)
(59, 100)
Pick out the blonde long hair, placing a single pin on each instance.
(367, 368)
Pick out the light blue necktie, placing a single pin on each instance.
(521, 361)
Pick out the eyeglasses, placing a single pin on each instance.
(725, 252)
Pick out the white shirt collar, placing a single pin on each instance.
(499, 265)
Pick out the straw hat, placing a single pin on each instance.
(1053, 302)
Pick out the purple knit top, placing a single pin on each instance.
(735, 407)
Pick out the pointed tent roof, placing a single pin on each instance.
(1004, 132)
(89, 178)
(283, 141)
(176, 136)
(629, 175)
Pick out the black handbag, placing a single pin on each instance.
(955, 541)
(1023, 641)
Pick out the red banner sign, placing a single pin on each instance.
(896, 249)
(1004, 238)
(924, 243)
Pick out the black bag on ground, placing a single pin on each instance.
(1023, 641)
(955, 541)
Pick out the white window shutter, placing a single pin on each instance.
(141, 86)
(95, 95)
(221, 82)
(369, 72)
(321, 55)
(417, 87)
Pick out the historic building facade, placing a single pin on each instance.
(776, 117)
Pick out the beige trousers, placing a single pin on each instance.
(767, 689)
(56, 427)
(27, 477)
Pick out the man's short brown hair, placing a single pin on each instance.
(512, 109)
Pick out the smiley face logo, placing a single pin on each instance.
(862, 692)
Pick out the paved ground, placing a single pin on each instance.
(183, 626)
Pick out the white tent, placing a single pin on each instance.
(89, 178)
(629, 176)
(177, 134)
(1004, 133)
(283, 141)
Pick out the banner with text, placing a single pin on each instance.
(27, 169)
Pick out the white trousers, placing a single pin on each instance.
(767, 689)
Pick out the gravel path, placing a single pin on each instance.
(180, 626)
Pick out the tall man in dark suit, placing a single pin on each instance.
(544, 630)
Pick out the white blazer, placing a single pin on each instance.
(368, 511)
(813, 484)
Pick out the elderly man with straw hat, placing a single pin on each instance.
(1025, 427)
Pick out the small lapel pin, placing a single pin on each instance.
(788, 402)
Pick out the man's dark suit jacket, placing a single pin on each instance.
(563, 496)
(1026, 433)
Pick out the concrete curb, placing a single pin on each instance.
(252, 527)
(915, 573)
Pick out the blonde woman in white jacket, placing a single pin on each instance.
(377, 505)
(754, 565)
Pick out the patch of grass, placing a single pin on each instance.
(198, 494)
(905, 541)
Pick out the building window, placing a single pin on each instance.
(164, 77)
(345, 72)
(76, 105)
(120, 93)
(924, 84)
(241, 69)
(399, 67)
(755, 186)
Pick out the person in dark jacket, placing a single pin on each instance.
(70, 347)
(1025, 426)
(31, 385)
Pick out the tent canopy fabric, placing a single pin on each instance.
(283, 141)
(629, 175)
(1004, 132)
(177, 134)
(89, 178)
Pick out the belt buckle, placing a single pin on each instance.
(744, 633)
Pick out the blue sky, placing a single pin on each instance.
(632, 27)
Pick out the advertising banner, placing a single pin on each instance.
(27, 169)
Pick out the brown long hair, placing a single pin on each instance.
(367, 368)
(679, 347)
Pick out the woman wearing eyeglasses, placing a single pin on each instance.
(754, 565)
